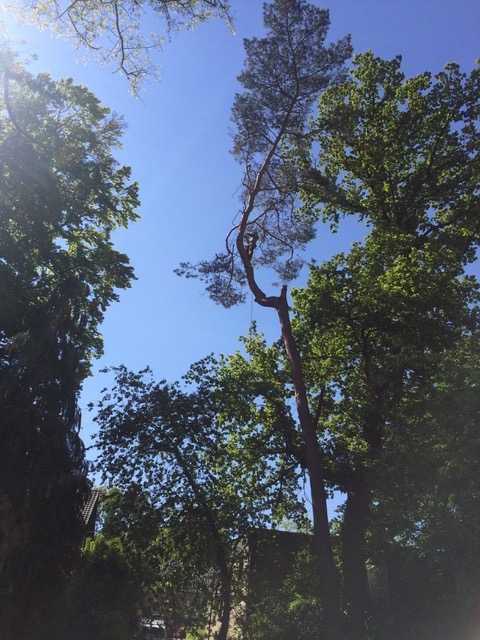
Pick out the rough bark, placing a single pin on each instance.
(356, 591)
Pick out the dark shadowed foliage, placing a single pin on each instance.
(62, 194)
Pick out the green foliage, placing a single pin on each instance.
(162, 435)
(171, 564)
(284, 73)
(65, 194)
(103, 597)
(378, 326)
(62, 195)
(401, 153)
(389, 352)
(285, 604)
(195, 454)
(430, 510)
(366, 352)
(388, 340)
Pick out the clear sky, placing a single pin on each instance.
(177, 142)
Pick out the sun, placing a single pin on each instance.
(9, 25)
(15, 25)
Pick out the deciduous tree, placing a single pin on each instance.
(402, 155)
(197, 460)
(115, 31)
(62, 195)
(374, 326)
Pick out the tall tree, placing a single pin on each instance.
(62, 195)
(374, 326)
(284, 73)
(429, 511)
(404, 156)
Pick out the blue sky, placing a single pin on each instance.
(177, 142)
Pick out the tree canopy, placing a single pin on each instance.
(284, 73)
(370, 391)
(401, 153)
(62, 195)
(198, 463)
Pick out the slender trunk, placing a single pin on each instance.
(313, 454)
(225, 596)
(356, 596)
(330, 590)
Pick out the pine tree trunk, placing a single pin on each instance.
(330, 588)
(330, 584)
